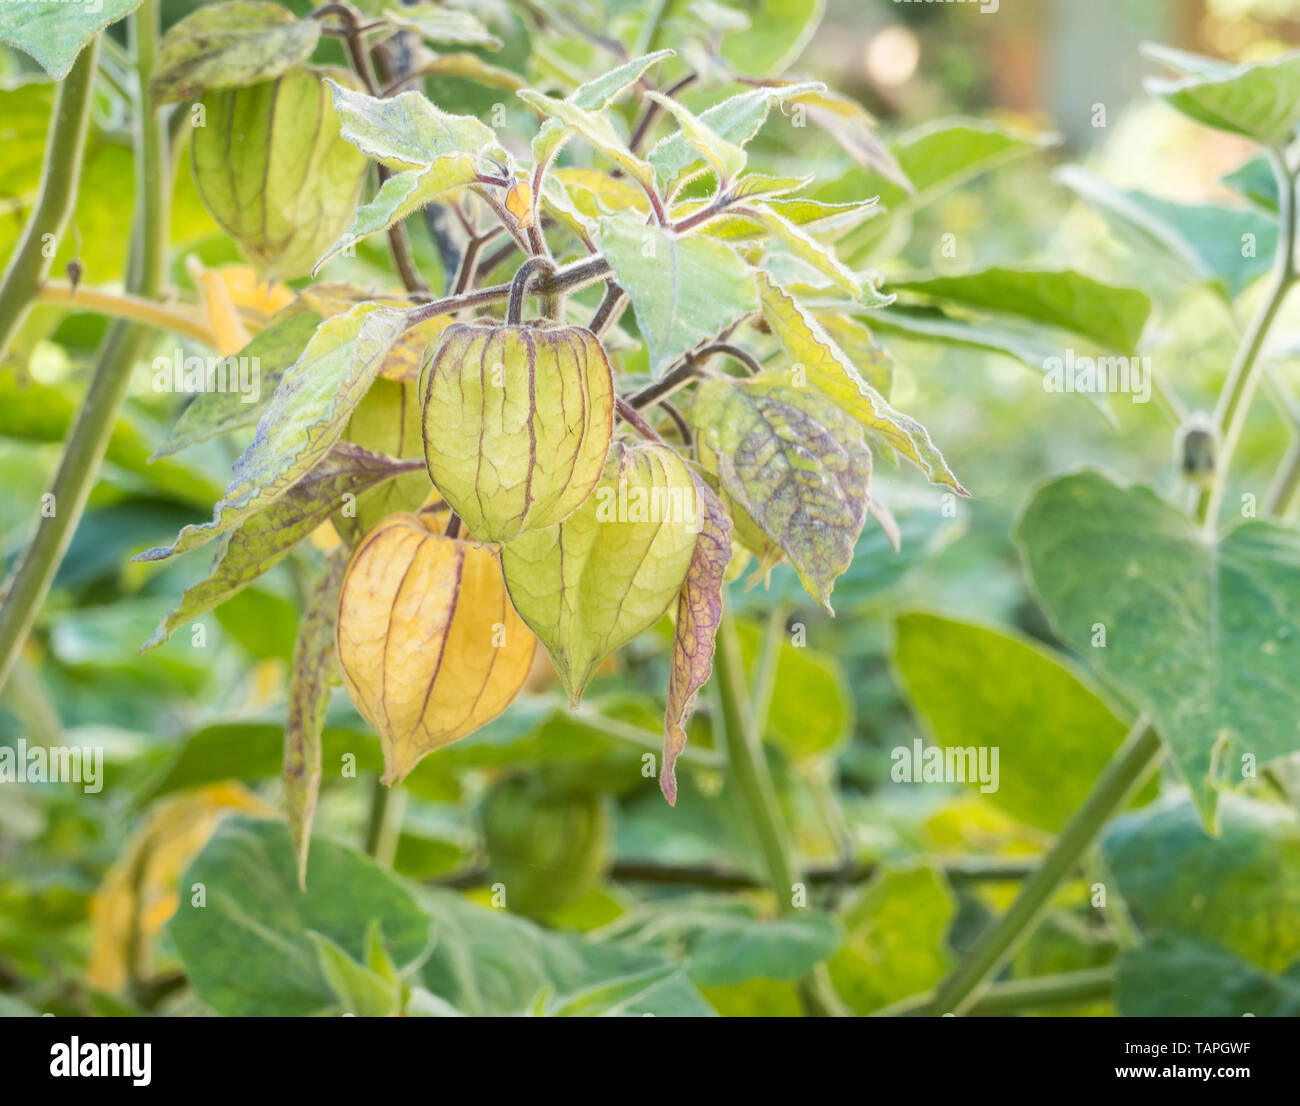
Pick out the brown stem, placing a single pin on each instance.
(652, 111)
(632, 417)
(611, 307)
(519, 286)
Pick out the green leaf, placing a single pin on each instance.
(896, 944)
(55, 33)
(735, 120)
(488, 962)
(796, 465)
(596, 129)
(408, 132)
(442, 25)
(1240, 888)
(270, 535)
(314, 674)
(660, 987)
(305, 418)
(820, 257)
(593, 95)
(360, 991)
(684, 290)
(1201, 242)
(1176, 977)
(1254, 180)
(213, 413)
(247, 942)
(1260, 100)
(699, 613)
(727, 160)
(401, 195)
(1204, 635)
(778, 32)
(1112, 316)
(828, 369)
(980, 687)
(228, 45)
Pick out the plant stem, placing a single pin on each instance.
(384, 825)
(60, 176)
(1065, 989)
(749, 772)
(1239, 388)
(88, 439)
(1136, 757)
(125, 306)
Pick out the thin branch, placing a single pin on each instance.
(652, 111)
(611, 307)
(632, 417)
(519, 286)
(122, 305)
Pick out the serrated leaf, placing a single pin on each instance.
(699, 613)
(593, 95)
(727, 160)
(856, 340)
(314, 674)
(820, 257)
(596, 129)
(270, 535)
(829, 370)
(1260, 100)
(228, 45)
(53, 33)
(589, 585)
(756, 184)
(213, 413)
(795, 462)
(1108, 314)
(408, 132)
(1203, 635)
(684, 289)
(735, 120)
(401, 195)
(306, 416)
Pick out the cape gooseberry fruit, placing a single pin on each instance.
(517, 423)
(429, 645)
(589, 585)
(547, 849)
(274, 171)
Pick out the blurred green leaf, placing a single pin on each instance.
(55, 33)
(1176, 977)
(1260, 100)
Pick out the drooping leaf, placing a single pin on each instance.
(829, 370)
(1200, 242)
(1203, 635)
(1110, 315)
(589, 585)
(306, 416)
(795, 463)
(982, 688)
(820, 257)
(213, 413)
(246, 945)
(442, 25)
(684, 289)
(1260, 100)
(270, 535)
(55, 33)
(699, 613)
(315, 672)
(1240, 888)
(227, 45)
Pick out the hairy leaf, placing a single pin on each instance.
(1260, 100)
(54, 33)
(1203, 635)
(595, 128)
(795, 463)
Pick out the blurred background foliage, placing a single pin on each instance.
(554, 803)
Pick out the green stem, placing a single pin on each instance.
(1243, 377)
(1065, 989)
(384, 826)
(1136, 757)
(750, 774)
(120, 305)
(60, 176)
(85, 446)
